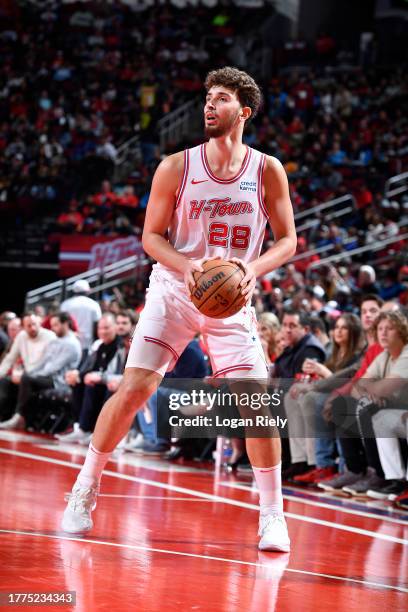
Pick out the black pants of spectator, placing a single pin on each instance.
(8, 398)
(355, 431)
(28, 387)
(93, 399)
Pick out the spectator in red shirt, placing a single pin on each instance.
(302, 265)
(106, 197)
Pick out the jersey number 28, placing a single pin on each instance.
(221, 234)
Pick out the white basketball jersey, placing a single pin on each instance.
(213, 216)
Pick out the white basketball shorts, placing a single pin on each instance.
(169, 321)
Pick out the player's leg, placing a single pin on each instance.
(239, 356)
(113, 423)
(265, 457)
(161, 335)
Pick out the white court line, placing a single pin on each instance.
(167, 498)
(206, 557)
(308, 502)
(215, 498)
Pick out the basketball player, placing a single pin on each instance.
(209, 201)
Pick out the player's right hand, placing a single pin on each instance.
(194, 265)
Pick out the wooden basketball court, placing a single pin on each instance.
(180, 537)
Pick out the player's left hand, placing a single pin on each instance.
(248, 283)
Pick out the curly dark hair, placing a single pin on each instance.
(237, 81)
(399, 321)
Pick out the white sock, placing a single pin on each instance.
(91, 471)
(269, 481)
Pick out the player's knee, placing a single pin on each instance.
(135, 390)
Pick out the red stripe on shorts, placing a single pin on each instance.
(242, 366)
(161, 343)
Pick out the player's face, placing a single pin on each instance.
(222, 111)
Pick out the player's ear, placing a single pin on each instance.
(246, 112)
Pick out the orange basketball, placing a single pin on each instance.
(216, 292)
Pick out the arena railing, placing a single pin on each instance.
(327, 208)
(99, 279)
(127, 154)
(372, 247)
(396, 185)
(174, 126)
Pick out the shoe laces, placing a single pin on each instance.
(268, 520)
(82, 499)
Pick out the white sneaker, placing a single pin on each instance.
(273, 532)
(17, 421)
(76, 435)
(85, 440)
(77, 514)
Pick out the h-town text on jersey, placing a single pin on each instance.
(219, 207)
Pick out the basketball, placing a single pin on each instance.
(216, 292)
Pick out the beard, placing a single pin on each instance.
(223, 128)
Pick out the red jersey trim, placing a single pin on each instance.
(163, 344)
(184, 179)
(212, 176)
(260, 183)
(242, 366)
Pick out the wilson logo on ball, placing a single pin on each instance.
(217, 291)
(199, 292)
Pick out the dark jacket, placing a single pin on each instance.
(290, 362)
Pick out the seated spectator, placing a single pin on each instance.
(128, 197)
(371, 307)
(390, 427)
(385, 375)
(25, 354)
(191, 364)
(300, 344)
(106, 197)
(5, 318)
(71, 220)
(385, 381)
(268, 327)
(304, 402)
(125, 324)
(366, 281)
(60, 355)
(318, 329)
(90, 382)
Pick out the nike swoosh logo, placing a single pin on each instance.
(194, 182)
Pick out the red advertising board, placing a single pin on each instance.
(80, 253)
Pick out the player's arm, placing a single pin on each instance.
(280, 215)
(160, 209)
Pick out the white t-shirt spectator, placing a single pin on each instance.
(86, 313)
(30, 350)
(384, 366)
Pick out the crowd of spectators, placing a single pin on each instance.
(342, 367)
(79, 79)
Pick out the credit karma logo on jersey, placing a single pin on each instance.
(219, 208)
(248, 186)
